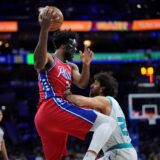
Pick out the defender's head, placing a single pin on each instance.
(67, 41)
(104, 85)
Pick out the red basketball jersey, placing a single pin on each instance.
(53, 83)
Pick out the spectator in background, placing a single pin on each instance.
(2, 142)
(39, 156)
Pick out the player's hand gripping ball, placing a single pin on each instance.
(56, 17)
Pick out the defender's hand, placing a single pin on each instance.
(87, 55)
(67, 92)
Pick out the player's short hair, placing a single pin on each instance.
(109, 83)
(62, 37)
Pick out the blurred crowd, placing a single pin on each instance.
(23, 143)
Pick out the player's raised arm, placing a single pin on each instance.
(40, 54)
(81, 80)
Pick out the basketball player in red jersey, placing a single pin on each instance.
(56, 118)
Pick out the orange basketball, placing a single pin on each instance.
(56, 24)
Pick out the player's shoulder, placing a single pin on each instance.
(106, 106)
(103, 100)
(72, 65)
(111, 99)
(50, 55)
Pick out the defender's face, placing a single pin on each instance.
(95, 89)
(71, 49)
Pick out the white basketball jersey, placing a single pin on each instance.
(1, 138)
(120, 135)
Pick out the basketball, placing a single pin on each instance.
(57, 23)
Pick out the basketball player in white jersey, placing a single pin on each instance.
(2, 142)
(102, 91)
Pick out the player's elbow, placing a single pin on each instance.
(80, 83)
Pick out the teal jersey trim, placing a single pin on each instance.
(122, 120)
(123, 126)
(121, 146)
(110, 101)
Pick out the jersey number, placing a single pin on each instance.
(123, 126)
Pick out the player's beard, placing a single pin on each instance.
(71, 49)
(93, 94)
(94, 91)
(68, 56)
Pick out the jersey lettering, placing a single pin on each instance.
(123, 126)
(64, 73)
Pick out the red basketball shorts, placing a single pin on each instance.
(55, 120)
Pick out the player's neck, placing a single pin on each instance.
(60, 55)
